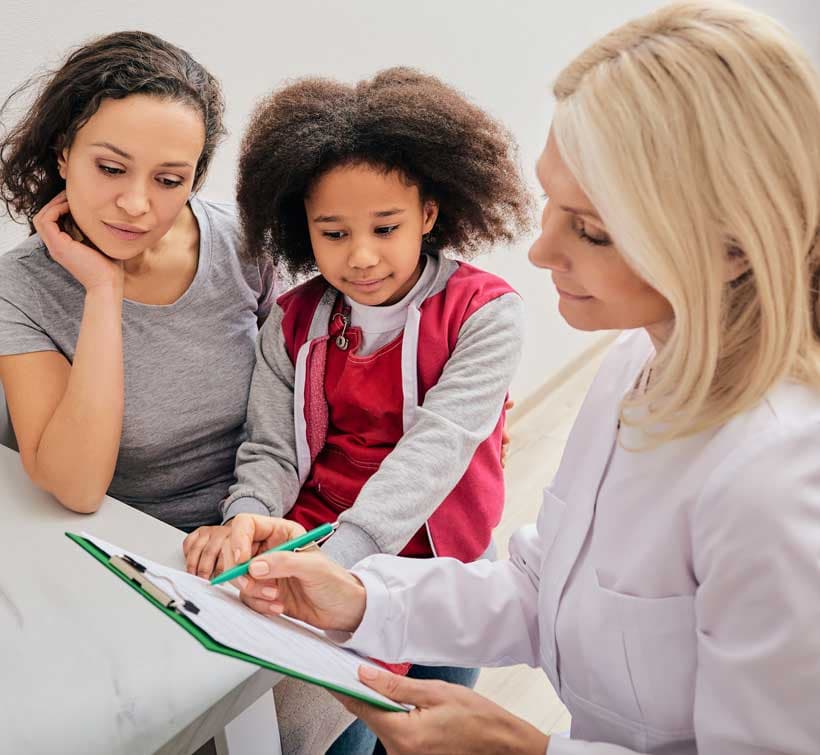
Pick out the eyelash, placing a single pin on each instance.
(383, 231)
(584, 236)
(164, 182)
(579, 227)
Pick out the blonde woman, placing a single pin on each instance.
(671, 587)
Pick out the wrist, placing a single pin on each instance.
(358, 604)
(111, 292)
(519, 736)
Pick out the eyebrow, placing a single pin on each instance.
(567, 208)
(124, 154)
(378, 214)
(581, 211)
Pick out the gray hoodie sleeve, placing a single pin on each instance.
(267, 480)
(457, 415)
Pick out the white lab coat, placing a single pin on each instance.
(671, 596)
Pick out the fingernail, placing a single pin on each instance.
(242, 582)
(236, 555)
(269, 592)
(259, 569)
(369, 673)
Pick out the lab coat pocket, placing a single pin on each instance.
(660, 649)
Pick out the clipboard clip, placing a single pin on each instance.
(135, 572)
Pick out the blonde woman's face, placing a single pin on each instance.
(597, 289)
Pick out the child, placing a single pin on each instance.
(394, 362)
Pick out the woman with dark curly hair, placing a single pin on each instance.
(395, 360)
(122, 306)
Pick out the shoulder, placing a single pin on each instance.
(223, 216)
(25, 254)
(765, 487)
(28, 268)
(225, 235)
(305, 296)
(475, 282)
(219, 224)
(459, 291)
(295, 311)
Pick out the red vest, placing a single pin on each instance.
(334, 391)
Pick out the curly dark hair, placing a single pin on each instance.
(110, 67)
(400, 120)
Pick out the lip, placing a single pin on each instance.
(571, 297)
(124, 231)
(367, 285)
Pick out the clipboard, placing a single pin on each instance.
(131, 572)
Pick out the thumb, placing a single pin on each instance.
(422, 693)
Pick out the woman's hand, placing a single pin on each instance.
(447, 720)
(306, 585)
(203, 550)
(91, 268)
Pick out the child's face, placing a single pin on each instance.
(366, 228)
(129, 171)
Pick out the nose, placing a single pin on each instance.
(362, 255)
(546, 250)
(134, 200)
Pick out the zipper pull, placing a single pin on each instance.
(341, 340)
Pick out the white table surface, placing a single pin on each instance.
(87, 665)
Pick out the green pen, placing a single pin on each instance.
(314, 536)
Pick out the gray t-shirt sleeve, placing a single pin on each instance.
(21, 312)
(457, 415)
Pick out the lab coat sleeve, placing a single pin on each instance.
(443, 612)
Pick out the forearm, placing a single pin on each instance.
(78, 448)
(267, 481)
(406, 597)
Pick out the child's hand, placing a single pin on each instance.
(307, 585)
(505, 436)
(88, 266)
(203, 550)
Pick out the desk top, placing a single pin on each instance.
(87, 665)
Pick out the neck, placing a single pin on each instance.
(659, 333)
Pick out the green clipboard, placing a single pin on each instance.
(209, 642)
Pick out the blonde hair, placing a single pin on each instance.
(695, 132)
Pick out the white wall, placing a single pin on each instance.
(502, 53)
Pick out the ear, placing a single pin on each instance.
(62, 159)
(430, 211)
(735, 264)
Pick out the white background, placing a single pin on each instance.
(502, 54)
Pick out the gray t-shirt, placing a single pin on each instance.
(188, 364)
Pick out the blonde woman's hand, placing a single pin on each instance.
(306, 585)
(89, 267)
(447, 719)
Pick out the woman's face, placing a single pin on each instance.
(597, 289)
(130, 170)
